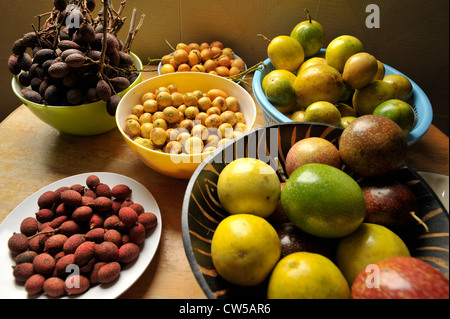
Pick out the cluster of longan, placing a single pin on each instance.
(60, 63)
(193, 122)
(79, 237)
(210, 58)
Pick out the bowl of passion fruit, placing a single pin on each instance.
(423, 112)
(177, 161)
(202, 210)
(84, 119)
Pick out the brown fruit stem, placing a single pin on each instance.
(308, 16)
(264, 37)
(421, 222)
(43, 232)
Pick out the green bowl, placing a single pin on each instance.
(84, 119)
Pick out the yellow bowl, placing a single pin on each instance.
(85, 119)
(180, 165)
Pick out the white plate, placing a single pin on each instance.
(129, 274)
(440, 185)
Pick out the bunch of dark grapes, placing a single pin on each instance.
(61, 64)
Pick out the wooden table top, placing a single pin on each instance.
(34, 155)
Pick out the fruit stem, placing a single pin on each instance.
(264, 37)
(170, 46)
(43, 232)
(308, 15)
(421, 222)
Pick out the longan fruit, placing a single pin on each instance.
(213, 120)
(158, 136)
(226, 130)
(186, 125)
(171, 115)
(172, 88)
(148, 96)
(150, 105)
(172, 134)
(137, 110)
(157, 115)
(232, 104)
(204, 103)
(173, 147)
(160, 123)
(229, 117)
(177, 99)
(221, 103)
(193, 145)
(164, 99)
(191, 112)
(182, 108)
(190, 99)
(240, 117)
(201, 131)
(145, 118)
(201, 117)
(146, 128)
(213, 110)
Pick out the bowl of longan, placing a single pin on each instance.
(172, 122)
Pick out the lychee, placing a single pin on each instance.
(69, 228)
(102, 204)
(25, 257)
(82, 213)
(55, 244)
(128, 252)
(47, 199)
(44, 264)
(137, 234)
(107, 251)
(23, 271)
(44, 215)
(18, 243)
(76, 284)
(73, 242)
(71, 197)
(29, 226)
(92, 181)
(103, 190)
(108, 272)
(34, 284)
(54, 287)
(62, 263)
(148, 220)
(95, 235)
(128, 216)
(84, 253)
(121, 191)
(113, 236)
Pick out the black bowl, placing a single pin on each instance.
(202, 211)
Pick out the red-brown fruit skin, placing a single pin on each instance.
(369, 153)
(137, 233)
(62, 263)
(69, 228)
(128, 252)
(121, 191)
(18, 243)
(84, 253)
(113, 236)
(76, 284)
(148, 220)
(109, 272)
(47, 199)
(402, 277)
(102, 204)
(92, 181)
(128, 216)
(71, 197)
(25, 257)
(55, 244)
(34, 284)
(107, 251)
(44, 264)
(23, 271)
(95, 235)
(93, 276)
(73, 242)
(82, 214)
(54, 287)
(29, 226)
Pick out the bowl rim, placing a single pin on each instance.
(183, 155)
(185, 231)
(418, 131)
(16, 85)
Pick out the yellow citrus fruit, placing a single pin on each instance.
(323, 112)
(250, 186)
(244, 249)
(310, 62)
(365, 100)
(398, 111)
(309, 34)
(305, 275)
(285, 53)
(340, 49)
(401, 84)
(278, 90)
(319, 82)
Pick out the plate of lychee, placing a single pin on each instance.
(89, 236)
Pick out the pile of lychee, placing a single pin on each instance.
(80, 236)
